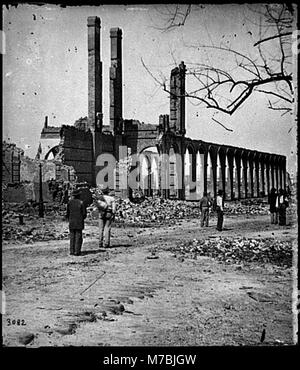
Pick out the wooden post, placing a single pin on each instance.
(41, 204)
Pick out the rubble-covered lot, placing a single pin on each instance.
(163, 282)
(236, 250)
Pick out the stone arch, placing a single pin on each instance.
(267, 173)
(52, 152)
(276, 173)
(210, 183)
(228, 181)
(249, 179)
(174, 171)
(200, 165)
(220, 170)
(243, 175)
(235, 176)
(256, 175)
(261, 180)
(189, 172)
(149, 162)
(281, 173)
(271, 173)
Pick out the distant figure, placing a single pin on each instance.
(50, 185)
(106, 218)
(205, 205)
(210, 198)
(220, 210)
(282, 203)
(65, 194)
(54, 190)
(273, 209)
(76, 214)
(60, 192)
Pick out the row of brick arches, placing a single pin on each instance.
(191, 167)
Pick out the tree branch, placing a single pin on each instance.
(272, 38)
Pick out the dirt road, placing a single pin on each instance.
(145, 294)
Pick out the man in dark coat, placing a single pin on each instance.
(220, 210)
(273, 209)
(282, 204)
(205, 205)
(76, 213)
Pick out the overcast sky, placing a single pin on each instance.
(45, 72)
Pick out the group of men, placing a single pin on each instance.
(207, 203)
(76, 214)
(278, 202)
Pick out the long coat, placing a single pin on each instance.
(76, 213)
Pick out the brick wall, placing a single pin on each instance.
(77, 151)
(11, 160)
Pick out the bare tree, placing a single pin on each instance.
(268, 70)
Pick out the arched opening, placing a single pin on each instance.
(261, 179)
(235, 185)
(276, 176)
(145, 174)
(188, 162)
(281, 178)
(255, 179)
(242, 180)
(219, 174)
(210, 176)
(173, 173)
(199, 175)
(272, 177)
(227, 180)
(148, 160)
(267, 178)
(52, 153)
(249, 179)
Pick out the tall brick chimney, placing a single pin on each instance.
(177, 99)
(94, 75)
(116, 100)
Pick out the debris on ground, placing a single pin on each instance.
(33, 228)
(235, 250)
(155, 210)
(255, 206)
(26, 338)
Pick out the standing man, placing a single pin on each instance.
(106, 218)
(204, 205)
(220, 210)
(273, 210)
(281, 204)
(76, 213)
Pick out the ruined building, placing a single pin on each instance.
(204, 166)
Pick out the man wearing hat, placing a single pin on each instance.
(106, 218)
(220, 210)
(76, 213)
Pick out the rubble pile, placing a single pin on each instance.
(28, 233)
(247, 207)
(236, 250)
(152, 211)
(20, 223)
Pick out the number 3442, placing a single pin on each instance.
(16, 322)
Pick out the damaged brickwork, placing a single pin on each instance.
(241, 173)
(21, 175)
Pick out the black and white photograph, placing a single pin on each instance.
(149, 177)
